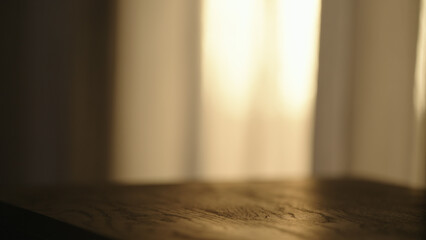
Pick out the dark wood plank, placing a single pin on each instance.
(310, 209)
(18, 223)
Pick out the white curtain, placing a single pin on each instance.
(224, 90)
(250, 66)
(259, 61)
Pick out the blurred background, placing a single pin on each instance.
(159, 91)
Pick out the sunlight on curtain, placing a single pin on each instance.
(298, 34)
(418, 166)
(253, 114)
(259, 65)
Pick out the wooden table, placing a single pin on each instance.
(308, 209)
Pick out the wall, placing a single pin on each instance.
(55, 98)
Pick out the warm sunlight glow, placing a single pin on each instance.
(259, 65)
(298, 31)
(241, 40)
(229, 46)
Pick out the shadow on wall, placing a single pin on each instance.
(57, 70)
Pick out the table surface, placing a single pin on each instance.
(307, 209)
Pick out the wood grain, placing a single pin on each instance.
(309, 209)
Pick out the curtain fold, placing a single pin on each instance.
(370, 106)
